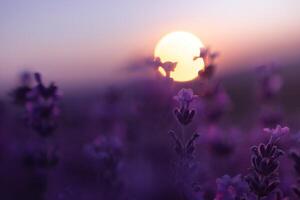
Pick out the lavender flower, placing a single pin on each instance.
(20, 94)
(263, 178)
(185, 97)
(208, 59)
(42, 107)
(184, 114)
(277, 133)
(184, 147)
(231, 188)
(167, 66)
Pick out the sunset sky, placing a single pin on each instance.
(76, 41)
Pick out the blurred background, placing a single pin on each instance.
(85, 43)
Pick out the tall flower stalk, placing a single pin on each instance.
(41, 104)
(263, 178)
(184, 147)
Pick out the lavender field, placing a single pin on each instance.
(149, 100)
(212, 138)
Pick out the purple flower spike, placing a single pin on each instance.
(184, 114)
(277, 133)
(42, 107)
(263, 178)
(185, 96)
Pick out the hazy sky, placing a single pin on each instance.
(75, 41)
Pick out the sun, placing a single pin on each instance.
(180, 47)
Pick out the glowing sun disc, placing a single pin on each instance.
(180, 47)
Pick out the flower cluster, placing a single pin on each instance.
(231, 188)
(208, 59)
(40, 103)
(184, 114)
(263, 178)
(42, 107)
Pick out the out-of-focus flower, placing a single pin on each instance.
(277, 133)
(270, 82)
(208, 59)
(168, 66)
(20, 94)
(263, 178)
(42, 92)
(40, 102)
(231, 188)
(42, 107)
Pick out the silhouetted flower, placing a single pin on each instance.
(42, 107)
(263, 178)
(231, 188)
(208, 59)
(168, 66)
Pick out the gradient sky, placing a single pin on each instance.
(77, 41)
